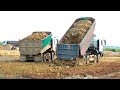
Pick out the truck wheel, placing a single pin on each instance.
(98, 57)
(47, 57)
(23, 58)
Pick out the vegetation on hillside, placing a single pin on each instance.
(112, 49)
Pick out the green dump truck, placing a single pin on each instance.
(37, 49)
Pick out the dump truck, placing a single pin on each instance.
(39, 46)
(78, 45)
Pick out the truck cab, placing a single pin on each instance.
(98, 46)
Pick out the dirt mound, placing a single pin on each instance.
(17, 48)
(9, 52)
(36, 36)
(6, 47)
(64, 63)
(77, 62)
(77, 32)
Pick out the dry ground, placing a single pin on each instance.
(11, 68)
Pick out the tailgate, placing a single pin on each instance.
(67, 51)
(32, 47)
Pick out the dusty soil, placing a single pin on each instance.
(11, 68)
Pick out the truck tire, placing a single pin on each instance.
(47, 57)
(23, 58)
(98, 57)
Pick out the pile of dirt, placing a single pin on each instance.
(6, 47)
(36, 36)
(77, 62)
(77, 32)
(9, 53)
(1, 47)
(17, 48)
(64, 62)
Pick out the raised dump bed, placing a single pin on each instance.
(32, 45)
(76, 40)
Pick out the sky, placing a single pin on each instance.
(15, 25)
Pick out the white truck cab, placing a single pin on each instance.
(99, 45)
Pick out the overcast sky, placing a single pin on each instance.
(15, 25)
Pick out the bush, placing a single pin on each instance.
(112, 49)
(1, 43)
